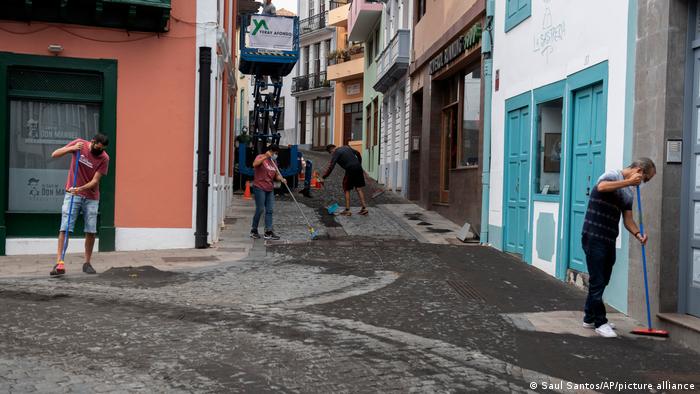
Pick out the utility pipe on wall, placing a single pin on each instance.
(200, 235)
(486, 50)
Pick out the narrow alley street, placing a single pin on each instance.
(372, 306)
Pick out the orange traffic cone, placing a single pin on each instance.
(317, 180)
(246, 194)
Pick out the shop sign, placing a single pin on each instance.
(462, 44)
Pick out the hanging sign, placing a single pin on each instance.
(271, 32)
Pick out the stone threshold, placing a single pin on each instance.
(690, 322)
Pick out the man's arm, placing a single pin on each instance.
(88, 186)
(60, 152)
(331, 165)
(609, 186)
(631, 226)
(260, 159)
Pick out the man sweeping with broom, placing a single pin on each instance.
(82, 195)
(611, 197)
(351, 161)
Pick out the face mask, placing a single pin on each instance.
(274, 156)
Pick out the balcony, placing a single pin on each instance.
(133, 15)
(307, 83)
(345, 66)
(314, 23)
(393, 61)
(338, 4)
(362, 18)
(338, 15)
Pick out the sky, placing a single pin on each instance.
(291, 5)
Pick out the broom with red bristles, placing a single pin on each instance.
(646, 331)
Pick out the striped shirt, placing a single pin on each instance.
(604, 209)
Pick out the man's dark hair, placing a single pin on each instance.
(274, 148)
(645, 163)
(101, 139)
(329, 148)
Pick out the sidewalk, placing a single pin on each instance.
(234, 245)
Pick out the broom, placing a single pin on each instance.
(313, 233)
(646, 331)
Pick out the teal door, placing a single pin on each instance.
(588, 162)
(517, 180)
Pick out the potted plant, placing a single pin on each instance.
(332, 57)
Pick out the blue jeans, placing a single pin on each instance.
(600, 258)
(307, 173)
(82, 205)
(264, 202)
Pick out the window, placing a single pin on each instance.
(420, 6)
(321, 121)
(280, 122)
(370, 51)
(375, 133)
(352, 122)
(368, 125)
(305, 55)
(516, 12)
(37, 128)
(376, 43)
(311, 8)
(471, 119)
(317, 58)
(549, 125)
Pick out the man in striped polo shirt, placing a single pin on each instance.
(612, 197)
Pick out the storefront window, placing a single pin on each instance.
(37, 128)
(352, 122)
(549, 143)
(471, 118)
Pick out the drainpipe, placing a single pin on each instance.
(200, 235)
(486, 48)
(240, 113)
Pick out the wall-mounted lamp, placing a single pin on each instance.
(55, 49)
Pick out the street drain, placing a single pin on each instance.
(185, 259)
(425, 224)
(413, 216)
(230, 220)
(465, 290)
(438, 230)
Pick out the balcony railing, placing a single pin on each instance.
(336, 4)
(310, 82)
(393, 61)
(345, 55)
(316, 22)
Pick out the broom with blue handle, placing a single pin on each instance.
(649, 331)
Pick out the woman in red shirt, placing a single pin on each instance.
(265, 173)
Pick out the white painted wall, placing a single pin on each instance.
(593, 31)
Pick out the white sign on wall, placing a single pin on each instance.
(352, 89)
(36, 190)
(271, 32)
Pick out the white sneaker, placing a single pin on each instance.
(606, 331)
(592, 325)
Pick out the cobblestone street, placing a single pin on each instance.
(370, 307)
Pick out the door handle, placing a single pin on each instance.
(588, 191)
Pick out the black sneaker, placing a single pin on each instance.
(254, 234)
(305, 192)
(271, 236)
(87, 268)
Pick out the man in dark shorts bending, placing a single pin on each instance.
(351, 161)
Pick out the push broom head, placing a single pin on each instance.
(650, 332)
(314, 233)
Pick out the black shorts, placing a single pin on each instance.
(354, 178)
